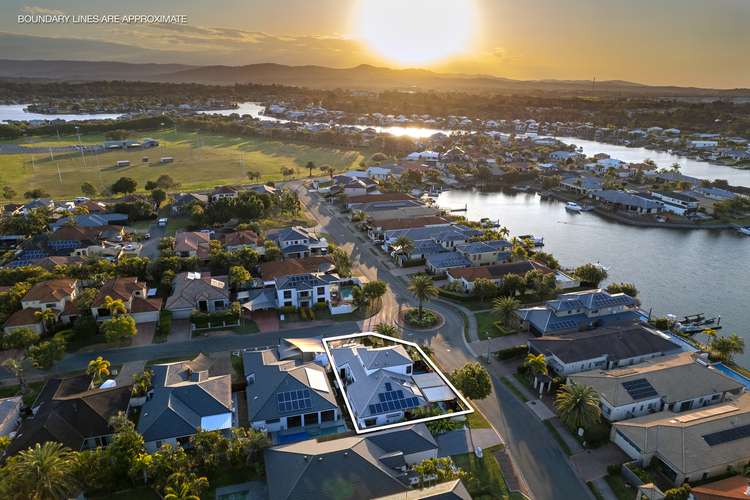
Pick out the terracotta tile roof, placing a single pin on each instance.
(145, 305)
(76, 233)
(498, 271)
(193, 241)
(281, 268)
(23, 317)
(51, 290)
(118, 288)
(245, 237)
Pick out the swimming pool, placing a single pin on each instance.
(733, 374)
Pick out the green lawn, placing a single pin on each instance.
(201, 161)
(485, 477)
(476, 420)
(488, 326)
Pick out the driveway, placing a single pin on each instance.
(180, 331)
(466, 440)
(145, 334)
(267, 321)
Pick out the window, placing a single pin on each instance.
(408, 369)
(272, 421)
(311, 419)
(321, 290)
(288, 303)
(218, 305)
(369, 422)
(327, 416)
(321, 300)
(287, 294)
(50, 306)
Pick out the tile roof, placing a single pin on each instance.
(23, 317)
(445, 260)
(408, 223)
(118, 288)
(279, 268)
(498, 271)
(51, 290)
(244, 237)
(189, 288)
(193, 241)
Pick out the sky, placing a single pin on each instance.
(674, 42)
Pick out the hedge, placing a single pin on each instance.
(165, 322)
(513, 352)
(462, 297)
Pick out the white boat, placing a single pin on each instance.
(744, 230)
(538, 240)
(573, 207)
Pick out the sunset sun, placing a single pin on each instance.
(413, 32)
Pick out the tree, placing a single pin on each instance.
(246, 446)
(36, 193)
(626, 288)
(423, 289)
(114, 306)
(472, 380)
(238, 275)
(578, 406)
(310, 166)
(43, 472)
(253, 175)
(591, 274)
(20, 338)
(185, 487)
(504, 308)
(726, 347)
(537, 364)
(142, 382)
(166, 181)
(45, 354)
(388, 330)
(88, 189)
(119, 328)
(9, 193)
(438, 470)
(678, 493)
(125, 448)
(272, 250)
(404, 246)
(47, 317)
(484, 289)
(98, 369)
(374, 290)
(342, 262)
(547, 259)
(512, 285)
(15, 366)
(158, 196)
(124, 185)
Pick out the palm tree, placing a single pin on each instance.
(405, 246)
(423, 289)
(43, 472)
(16, 367)
(47, 317)
(504, 308)
(578, 406)
(725, 348)
(182, 487)
(115, 306)
(98, 369)
(388, 330)
(536, 363)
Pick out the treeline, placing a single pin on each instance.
(15, 130)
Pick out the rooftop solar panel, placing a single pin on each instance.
(639, 389)
(294, 401)
(728, 435)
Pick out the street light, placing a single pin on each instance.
(80, 146)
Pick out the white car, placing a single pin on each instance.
(162, 222)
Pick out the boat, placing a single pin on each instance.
(572, 206)
(744, 230)
(538, 241)
(697, 323)
(660, 218)
(522, 188)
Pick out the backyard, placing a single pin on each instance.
(200, 161)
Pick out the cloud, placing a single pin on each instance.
(34, 9)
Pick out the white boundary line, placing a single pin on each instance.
(461, 397)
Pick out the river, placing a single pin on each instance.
(676, 271)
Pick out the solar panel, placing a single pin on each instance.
(294, 401)
(725, 436)
(639, 389)
(388, 386)
(392, 401)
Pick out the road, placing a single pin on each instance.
(542, 463)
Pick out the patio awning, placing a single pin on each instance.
(264, 299)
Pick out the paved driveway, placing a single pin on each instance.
(180, 331)
(465, 441)
(145, 334)
(267, 321)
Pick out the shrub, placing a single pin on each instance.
(165, 323)
(320, 306)
(428, 318)
(613, 469)
(288, 310)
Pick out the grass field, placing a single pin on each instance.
(201, 161)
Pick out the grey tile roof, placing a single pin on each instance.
(479, 247)
(274, 376)
(444, 260)
(306, 281)
(187, 292)
(438, 233)
(183, 393)
(615, 344)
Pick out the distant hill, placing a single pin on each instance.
(363, 77)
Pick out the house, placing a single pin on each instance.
(690, 446)
(133, 295)
(69, 238)
(354, 186)
(193, 244)
(238, 240)
(377, 228)
(304, 290)
(186, 397)
(223, 193)
(50, 262)
(466, 276)
(271, 270)
(372, 466)
(24, 318)
(297, 242)
(91, 220)
(602, 348)
(71, 412)
(565, 155)
(485, 253)
(439, 263)
(446, 236)
(731, 488)
(284, 395)
(352, 202)
(579, 311)
(378, 382)
(381, 173)
(184, 202)
(677, 203)
(584, 184)
(714, 193)
(197, 292)
(51, 294)
(35, 204)
(638, 203)
(658, 384)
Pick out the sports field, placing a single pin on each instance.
(200, 161)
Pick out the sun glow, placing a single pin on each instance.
(414, 32)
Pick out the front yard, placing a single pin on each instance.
(488, 327)
(485, 480)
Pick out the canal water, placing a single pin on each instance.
(676, 271)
